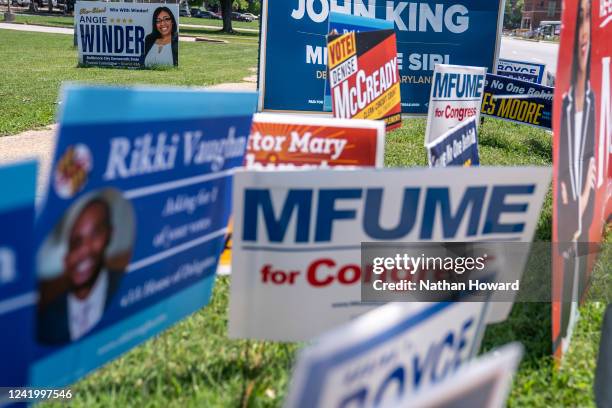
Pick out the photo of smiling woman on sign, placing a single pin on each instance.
(161, 45)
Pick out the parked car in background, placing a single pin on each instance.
(253, 16)
(241, 17)
(184, 10)
(206, 14)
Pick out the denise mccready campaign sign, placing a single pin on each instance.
(126, 35)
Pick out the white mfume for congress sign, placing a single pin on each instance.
(297, 238)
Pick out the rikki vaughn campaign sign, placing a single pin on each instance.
(456, 96)
(17, 281)
(363, 76)
(297, 235)
(126, 35)
(290, 142)
(388, 355)
(134, 218)
(429, 32)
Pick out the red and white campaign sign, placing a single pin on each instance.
(285, 142)
(297, 235)
(292, 141)
(484, 383)
(582, 128)
(456, 96)
(386, 355)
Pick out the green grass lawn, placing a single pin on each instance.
(193, 363)
(34, 70)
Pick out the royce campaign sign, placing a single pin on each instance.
(126, 35)
(17, 281)
(518, 101)
(134, 219)
(526, 71)
(484, 382)
(297, 235)
(457, 147)
(293, 58)
(387, 355)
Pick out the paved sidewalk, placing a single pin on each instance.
(56, 30)
(39, 144)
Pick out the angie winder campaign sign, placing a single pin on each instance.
(297, 238)
(387, 355)
(134, 219)
(17, 282)
(293, 56)
(127, 35)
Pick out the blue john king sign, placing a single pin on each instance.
(293, 55)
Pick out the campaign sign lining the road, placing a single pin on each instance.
(304, 142)
(134, 218)
(363, 76)
(293, 55)
(484, 382)
(526, 71)
(393, 352)
(17, 281)
(518, 101)
(126, 35)
(346, 23)
(297, 235)
(292, 141)
(456, 96)
(582, 156)
(457, 147)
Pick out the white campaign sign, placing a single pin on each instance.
(296, 249)
(484, 383)
(456, 95)
(388, 354)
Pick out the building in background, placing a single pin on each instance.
(536, 11)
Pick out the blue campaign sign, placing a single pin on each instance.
(134, 220)
(293, 57)
(17, 281)
(518, 101)
(346, 23)
(457, 147)
(393, 352)
(526, 71)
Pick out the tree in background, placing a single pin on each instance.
(513, 13)
(226, 7)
